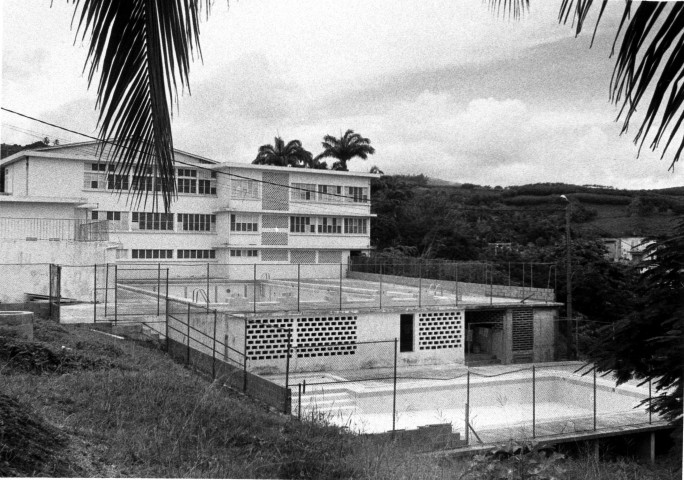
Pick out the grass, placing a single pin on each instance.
(79, 403)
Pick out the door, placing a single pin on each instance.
(406, 332)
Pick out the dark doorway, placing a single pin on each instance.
(406, 332)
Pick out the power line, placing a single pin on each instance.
(110, 142)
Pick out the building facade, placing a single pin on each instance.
(227, 213)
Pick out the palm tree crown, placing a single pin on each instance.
(345, 148)
(282, 155)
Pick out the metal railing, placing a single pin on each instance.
(54, 229)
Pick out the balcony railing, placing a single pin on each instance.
(54, 229)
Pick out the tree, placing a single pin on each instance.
(281, 155)
(647, 343)
(345, 148)
(143, 50)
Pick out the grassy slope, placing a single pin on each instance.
(79, 403)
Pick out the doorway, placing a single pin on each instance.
(406, 332)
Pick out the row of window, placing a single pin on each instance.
(199, 222)
(302, 224)
(153, 253)
(294, 256)
(303, 192)
(99, 176)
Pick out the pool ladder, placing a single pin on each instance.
(198, 294)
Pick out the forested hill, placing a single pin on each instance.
(459, 222)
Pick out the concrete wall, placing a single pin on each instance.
(342, 341)
(24, 267)
(544, 334)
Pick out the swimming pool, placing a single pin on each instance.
(500, 407)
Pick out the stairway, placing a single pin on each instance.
(327, 401)
(480, 359)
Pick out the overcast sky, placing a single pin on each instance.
(441, 88)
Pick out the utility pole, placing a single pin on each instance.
(568, 278)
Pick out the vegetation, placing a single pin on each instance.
(646, 341)
(282, 155)
(343, 149)
(98, 406)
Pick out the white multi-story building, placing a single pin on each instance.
(228, 213)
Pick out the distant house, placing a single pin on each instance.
(626, 249)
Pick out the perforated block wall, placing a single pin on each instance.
(321, 336)
(438, 330)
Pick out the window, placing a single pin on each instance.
(121, 253)
(153, 221)
(244, 253)
(303, 191)
(117, 182)
(2, 180)
(151, 253)
(329, 225)
(95, 175)
(301, 225)
(142, 183)
(196, 222)
(355, 225)
(244, 223)
(106, 215)
(244, 189)
(329, 193)
(186, 179)
(357, 194)
(196, 254)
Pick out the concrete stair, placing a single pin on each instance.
(332, 401)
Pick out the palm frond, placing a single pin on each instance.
(512, 8)
(649, 68)
(143, 49)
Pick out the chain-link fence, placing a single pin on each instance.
(479, 405)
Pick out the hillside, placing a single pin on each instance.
(459, 221)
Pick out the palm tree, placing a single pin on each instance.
(345, 148)
(281, 155)
(143, 50)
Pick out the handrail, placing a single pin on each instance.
(196, 293)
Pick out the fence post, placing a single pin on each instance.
(51, 293)
(467, 409)
(534, 400)
(95, 293)
(244, 373)
(208, 286)
(420, 284)
(213, 352)
(594, 398)
(287, 359)
(254, 287)
(650, 413)
(116, 293)
(380, 287)
(166, 326)
(187, 356)
(158, 286)
(299, 401)
(340, 285)
(394, 391)
(106, 288)
(166, 293)
(299, 265)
